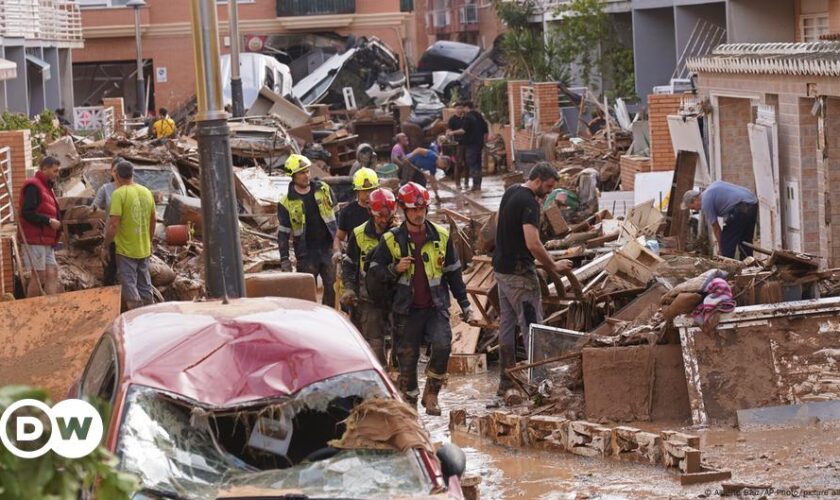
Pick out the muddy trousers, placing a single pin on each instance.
(472, 156)
(411, 330)
(739, 229)
(320, 264)
(520, 305)
(460, 167)
(372, 321)
(136, 281)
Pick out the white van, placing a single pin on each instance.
(256, 71)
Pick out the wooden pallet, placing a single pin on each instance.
(480, 284)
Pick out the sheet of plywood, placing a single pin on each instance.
(46, 341)
(465, 338)
(686, 136)
(770, 225)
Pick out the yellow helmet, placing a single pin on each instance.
(297, 163)
(365, 179)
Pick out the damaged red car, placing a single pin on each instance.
(248, 398)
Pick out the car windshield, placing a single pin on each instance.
(156, 180)
(183, 450)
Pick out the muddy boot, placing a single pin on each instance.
(430, 396)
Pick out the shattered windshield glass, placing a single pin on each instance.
(181, 450)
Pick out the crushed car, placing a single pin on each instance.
(205, 400)
(369, 67)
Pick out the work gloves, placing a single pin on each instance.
(349, 299)
(286, 266)
(467, 314)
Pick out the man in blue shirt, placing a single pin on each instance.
(738, 207)
(425, 163)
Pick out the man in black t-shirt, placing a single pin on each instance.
(517, 245)
(475, 132)
(455, 129)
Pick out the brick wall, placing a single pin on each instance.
(811, 182)
(630, 166)
(734, 114)
(546, 99)
(832, 166)
(21, 155)
(661, 149)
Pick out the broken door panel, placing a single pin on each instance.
(770, 228)
(686, 136)
(793, 222)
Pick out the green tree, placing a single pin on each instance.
(53, 477)
(528, 53)
(588, 39)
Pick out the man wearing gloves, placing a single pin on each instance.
(371, 317)
(419, 259)
(307, 215)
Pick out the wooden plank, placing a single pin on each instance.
(706, 475)
(465, 338)
(467, 364)
(684, 172)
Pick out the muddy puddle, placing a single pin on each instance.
(789, 460)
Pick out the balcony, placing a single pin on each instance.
(48, 20)
(296, 8)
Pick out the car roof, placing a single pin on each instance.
(227, 354)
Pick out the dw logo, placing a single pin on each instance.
(75, 428)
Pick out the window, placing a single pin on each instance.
(812, 26)
(100, 4)
(99, 382)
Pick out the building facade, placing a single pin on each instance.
(106, 67)
(794, 91)
(36, 42)
(467, 21)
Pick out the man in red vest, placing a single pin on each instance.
(40, 228)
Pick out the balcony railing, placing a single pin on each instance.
(290, 8)
(469, 14)
(50, 20)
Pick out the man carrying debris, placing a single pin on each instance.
(40, 228)
(455, 130)
(736, 205)
(163, 127)
(102, 201)
(517, 245)
(307, 214)
(475, 134)
(372, 317)
(132, 226)
(419, 259)
(425, 163)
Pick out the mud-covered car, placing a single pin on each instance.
(253, 397)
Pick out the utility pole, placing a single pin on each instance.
(238, 103)
(220, 222)
(141, 82)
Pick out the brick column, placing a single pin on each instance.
(21, 156)
(546, 97)
(661, 148)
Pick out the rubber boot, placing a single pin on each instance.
(430, 396)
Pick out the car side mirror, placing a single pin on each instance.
(453, 461)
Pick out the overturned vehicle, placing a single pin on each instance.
(368, 67)
(258, 397)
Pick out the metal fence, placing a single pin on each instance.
(7, 212)
(94, 120)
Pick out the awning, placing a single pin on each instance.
(42, 65)
(8, 70)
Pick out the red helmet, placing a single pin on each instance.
(382, 200)
(413, 195)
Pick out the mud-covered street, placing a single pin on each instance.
(778, 463)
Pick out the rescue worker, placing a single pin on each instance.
(164, 126)
(356, 212)
(365, 158)
(372, 316)
(307, 215)
(419, 259)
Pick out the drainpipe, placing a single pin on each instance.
(220, 224)
(238, 100)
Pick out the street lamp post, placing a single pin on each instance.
(141, 83)
(237, 98)
(220, 222)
